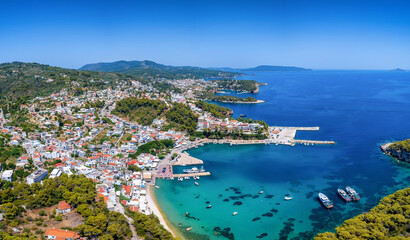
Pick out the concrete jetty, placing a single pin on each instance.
(201, 174)
(184, 159)
(313, 142)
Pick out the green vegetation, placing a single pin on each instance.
(401, 145)
(224, 98)
(76, 190)
(165, 87)
(388, 220)
(148, 226)
(143, 111)
(152, 70)
(153, 147)
(215, 110)
(182, 118)
(237, 85)
(29, 80)
(225, 135)
(9, 154)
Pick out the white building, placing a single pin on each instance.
(7, 175)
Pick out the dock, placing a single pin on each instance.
(313, 142)
(201, 174)
(184, 160)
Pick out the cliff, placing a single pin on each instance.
(397, 150)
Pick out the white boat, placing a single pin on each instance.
(196, 184)
(194, 170)
(288, 197)
(234, 213)
(260, 192)
(156, 186)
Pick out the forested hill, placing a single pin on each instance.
(27, 80)
(149, 69)
(388, 220)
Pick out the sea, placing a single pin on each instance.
(359, 110)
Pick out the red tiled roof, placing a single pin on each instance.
(63, 205)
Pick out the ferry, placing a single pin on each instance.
(325, 200)
(344, 195)
(194, 170)
(353, 194)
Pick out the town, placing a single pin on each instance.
(80, 135)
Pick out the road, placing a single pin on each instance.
(119, 208)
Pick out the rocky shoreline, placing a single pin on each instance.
(400, 155)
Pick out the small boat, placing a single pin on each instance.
(325, 200)
(209, 206)
(288, 197)
(197, 177)
(260, 192)
(196, 184)
(180, 179)
(352, 193)
(156, 186)
(242, 115)
(234, 213)
(344, 195)
(189, 229)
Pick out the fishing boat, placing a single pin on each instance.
(344, 195)
(325, 200)
(352, 193)
(288, 197)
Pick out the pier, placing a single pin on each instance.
(313, 142)
(201, 174)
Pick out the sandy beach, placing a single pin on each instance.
(154, 207)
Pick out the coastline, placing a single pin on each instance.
(257, 101)
(156, 209)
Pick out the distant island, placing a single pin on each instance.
(398, 70)
(266, 68)
(399, 150)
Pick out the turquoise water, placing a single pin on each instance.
(358, 110)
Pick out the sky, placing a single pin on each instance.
(329, 34)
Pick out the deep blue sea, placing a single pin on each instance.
(360, 110)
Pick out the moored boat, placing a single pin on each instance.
(344, 195)
(352, 193)
(325, 200)
(288, 197)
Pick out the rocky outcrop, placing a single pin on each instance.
(396, 153)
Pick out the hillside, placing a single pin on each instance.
(151, 69)
(28, 80)
(390, 219)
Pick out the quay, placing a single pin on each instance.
(184, 159)
(201, 174)
(313, 142)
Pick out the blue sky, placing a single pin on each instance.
(327, 34)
